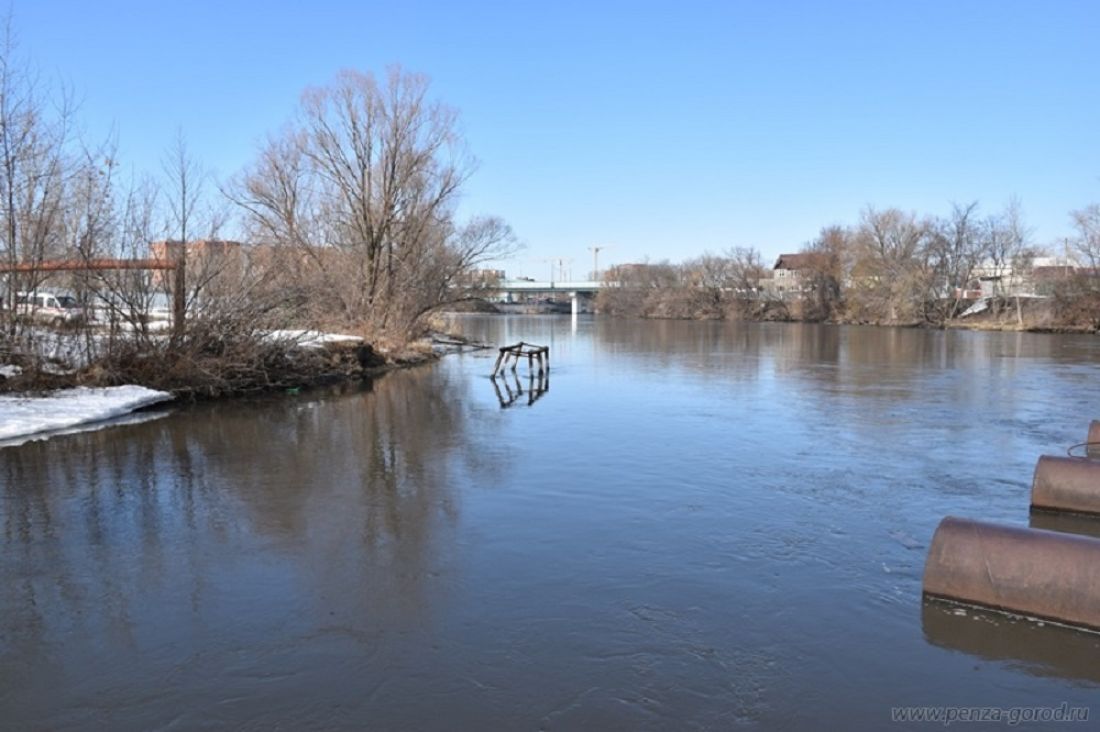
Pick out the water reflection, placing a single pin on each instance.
(253, 522)
(1037, 649)
(509, 391)
(1067, 523)
(145, 415)
(703, 523)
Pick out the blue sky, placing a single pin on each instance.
(658, 129)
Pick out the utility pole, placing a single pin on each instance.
(563, 273)
(558, 268)
(596, 259)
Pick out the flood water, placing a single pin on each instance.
(697, 526)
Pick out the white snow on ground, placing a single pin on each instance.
(10, 371)
(311, 338)
(21, 416)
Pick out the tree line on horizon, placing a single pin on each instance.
(892, 267)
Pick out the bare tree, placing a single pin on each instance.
(185, 180)
(643, 290)
(1077, 296)
(34, 167)
(825, 271)
(890, 277)
(127, 296)
(363, 187)
(1010, 253)
(1008, 244)
(957, 246)
(711, 276)
(1087, 242)
(746, 269)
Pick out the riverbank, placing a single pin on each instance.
(1026, 315)
(41, 406)
(271, 362)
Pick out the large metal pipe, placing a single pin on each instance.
(1066, 484)
(1093, 447)
(1031, 572)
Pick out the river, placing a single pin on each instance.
(695, 526)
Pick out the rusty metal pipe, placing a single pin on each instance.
(1031, 572)
(1092, 449)
(1066, 484)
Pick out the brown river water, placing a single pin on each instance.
(695, 526)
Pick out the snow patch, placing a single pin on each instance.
(10, 372)
(22, 416)
(310, 338)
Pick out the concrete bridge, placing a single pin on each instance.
(509, 288)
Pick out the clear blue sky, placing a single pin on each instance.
(661, 129)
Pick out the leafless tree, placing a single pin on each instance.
(1010, 253)
(957, 246)
(825, 272)
(711, 277)
(1087, 242)
(1008, 244)
(891, 278)
(35, 138)
(127, 297)
(185, 181)
(362, 189)
(746, 269)
(1077, 296)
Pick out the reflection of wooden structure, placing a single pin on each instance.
(536, 388)
(523, 350)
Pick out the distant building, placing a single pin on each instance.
(1026, 276)
(202, 254)
(788, 276)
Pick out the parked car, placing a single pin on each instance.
(47, 307)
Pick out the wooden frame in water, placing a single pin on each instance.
(521, 350)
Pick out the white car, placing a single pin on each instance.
(50, 308)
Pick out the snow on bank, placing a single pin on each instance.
(310, 338)
(22, 416)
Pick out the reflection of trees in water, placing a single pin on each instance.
(849, 357)
(81, 525)
(737, 350)
(345, 500)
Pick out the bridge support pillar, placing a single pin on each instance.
(573, 311)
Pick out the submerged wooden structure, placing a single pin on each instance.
(521, 350)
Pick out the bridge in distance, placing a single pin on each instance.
(510, 288)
